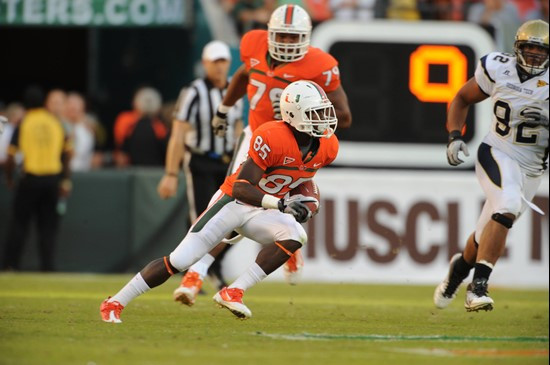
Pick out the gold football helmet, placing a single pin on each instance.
(534, 33)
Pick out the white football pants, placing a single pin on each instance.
(224, 215)
(505, 184)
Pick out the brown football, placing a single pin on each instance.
(309, 188)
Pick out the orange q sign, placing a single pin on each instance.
(419, 72)
(400, 78)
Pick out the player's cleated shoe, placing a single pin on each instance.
(190, 286)
(477, 297)
(445, 293)
(110, 311)
(232, 299)
(293, 268)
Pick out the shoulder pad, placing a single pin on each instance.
(250, 41)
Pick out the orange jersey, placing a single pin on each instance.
(266, 84)
(273, 148)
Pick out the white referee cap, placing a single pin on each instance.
(216, 50)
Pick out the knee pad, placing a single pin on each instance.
(502, 219)
(513, 207)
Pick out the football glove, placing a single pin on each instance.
(276, 109)
(219, 123)
(296, 205)
(535, 116)
(455, 145)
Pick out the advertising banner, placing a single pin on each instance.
(113, 13)
(402, 227)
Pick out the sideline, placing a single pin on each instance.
(373, 337)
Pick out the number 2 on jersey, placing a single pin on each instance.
(503, 113)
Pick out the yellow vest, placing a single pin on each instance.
(42, 140)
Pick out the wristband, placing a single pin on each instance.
(224, 109)
(270, 202)
(453, 135)
(173, 174)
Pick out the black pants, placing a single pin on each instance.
(36, 199)
(208, 175)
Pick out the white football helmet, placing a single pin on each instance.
(533, 32)
(289, 19)
(306, 107)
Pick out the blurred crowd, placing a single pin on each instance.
(249, 14)
(139, 136)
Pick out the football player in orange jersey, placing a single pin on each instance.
(282, 155)
(272, 59)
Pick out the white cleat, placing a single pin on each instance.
(442, 299)
(477, 297)
(232, 299)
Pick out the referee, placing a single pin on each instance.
(46, 152)
(206, 157)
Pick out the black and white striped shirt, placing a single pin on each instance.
(197, 104)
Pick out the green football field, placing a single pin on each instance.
(54, 319)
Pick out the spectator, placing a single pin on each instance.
(540, 12)
(319, 10)
(252, 14)
(442, 9)
(82, 131)
(403, 10)
(353, 9)
(56, 103)
(208, 156)
(500, 17)
(45, 178)
(140, 135)
(14, 114)
(524, 6)
(100, 157)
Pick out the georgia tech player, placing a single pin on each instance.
(510, 160)
(272, 59)
(282, 155)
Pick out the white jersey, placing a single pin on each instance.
(497, 76)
